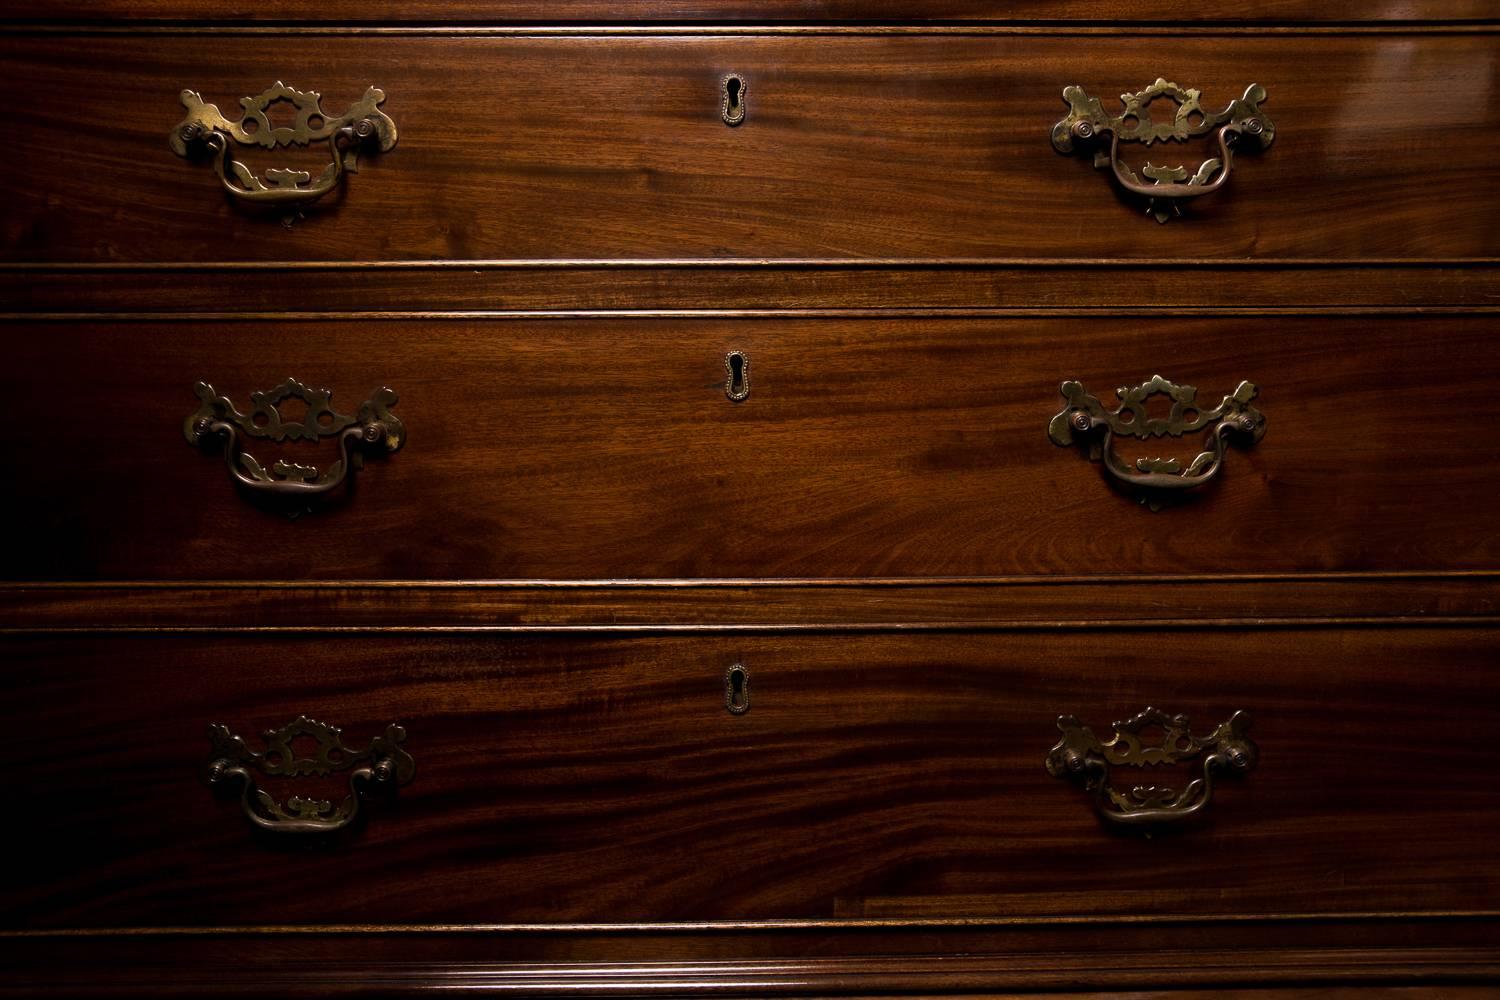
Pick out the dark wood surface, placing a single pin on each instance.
(774, 289)
(1220, 963)
(894, 447)
(918, 580)
(1016, 603)
(1331, 959)
(857, 146)
(599, 779)
(733, 11)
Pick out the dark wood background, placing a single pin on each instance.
(573, 778)
(548, 583)
(599, 448)
(857, 145)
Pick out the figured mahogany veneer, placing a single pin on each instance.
(601, 779)
(896, 447)
(735, 11)
(857, 145)
(550, 583)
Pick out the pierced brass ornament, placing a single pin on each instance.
(206, 132)
(1084, 758)
(375, 430)
(1085, 418)
(1241, 126)
(382, 766)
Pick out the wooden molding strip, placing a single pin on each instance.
(788, 606)
(740, 288)
(716, 263)
(851, 924)
(1056, 29)
(843, 976)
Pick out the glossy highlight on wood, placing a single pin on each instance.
(874, 775)
(892, 447)
(734, 693)
(948, 154)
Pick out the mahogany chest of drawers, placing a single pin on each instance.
(744, 498)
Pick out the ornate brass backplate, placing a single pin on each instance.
(1084, 758)
(205, 130)
(1085, 417)
(383, 766)
(373, 430)
(1240, 125)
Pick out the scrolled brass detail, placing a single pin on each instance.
(1241, 125)
(382, 766)
(1085, 417)
(1082, 757)
(206, 131)
(374, 430)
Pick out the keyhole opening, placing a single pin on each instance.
(737, 689)
(737, 385)
(734, 99)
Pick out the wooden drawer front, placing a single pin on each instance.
(607, 449)
(602, 779)
(886, 145)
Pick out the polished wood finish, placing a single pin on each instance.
(547, 586)
(896, 447)
(1014, 604)
(1222, 965)
(918, 146)
(471, 12)
(1335, 959)
(774, 289)
(602, 780)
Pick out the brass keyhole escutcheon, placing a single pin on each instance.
(737, 385)
(737, 689)
(732, 107)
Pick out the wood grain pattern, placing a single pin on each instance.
(1015, 604)
(566, 779)
(1096, 287)
(856, 146)
(900, 447)
(1333, 960)
(732, 11)
(171, 968)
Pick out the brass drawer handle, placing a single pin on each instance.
(1242, 125)
(380, 767)
(1085, 418)
(364, 127)
(1080, 756)
(375, 430)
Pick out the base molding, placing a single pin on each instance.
(1415, 960)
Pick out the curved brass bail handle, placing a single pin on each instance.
(1239, 125)
(363, 127)
(372, 430)
(1083, 758)
(235, 457)
(1175, 190)
(267, 814)
(277, 194)
(1202, 470)
(378, 768)
(1085, 418)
